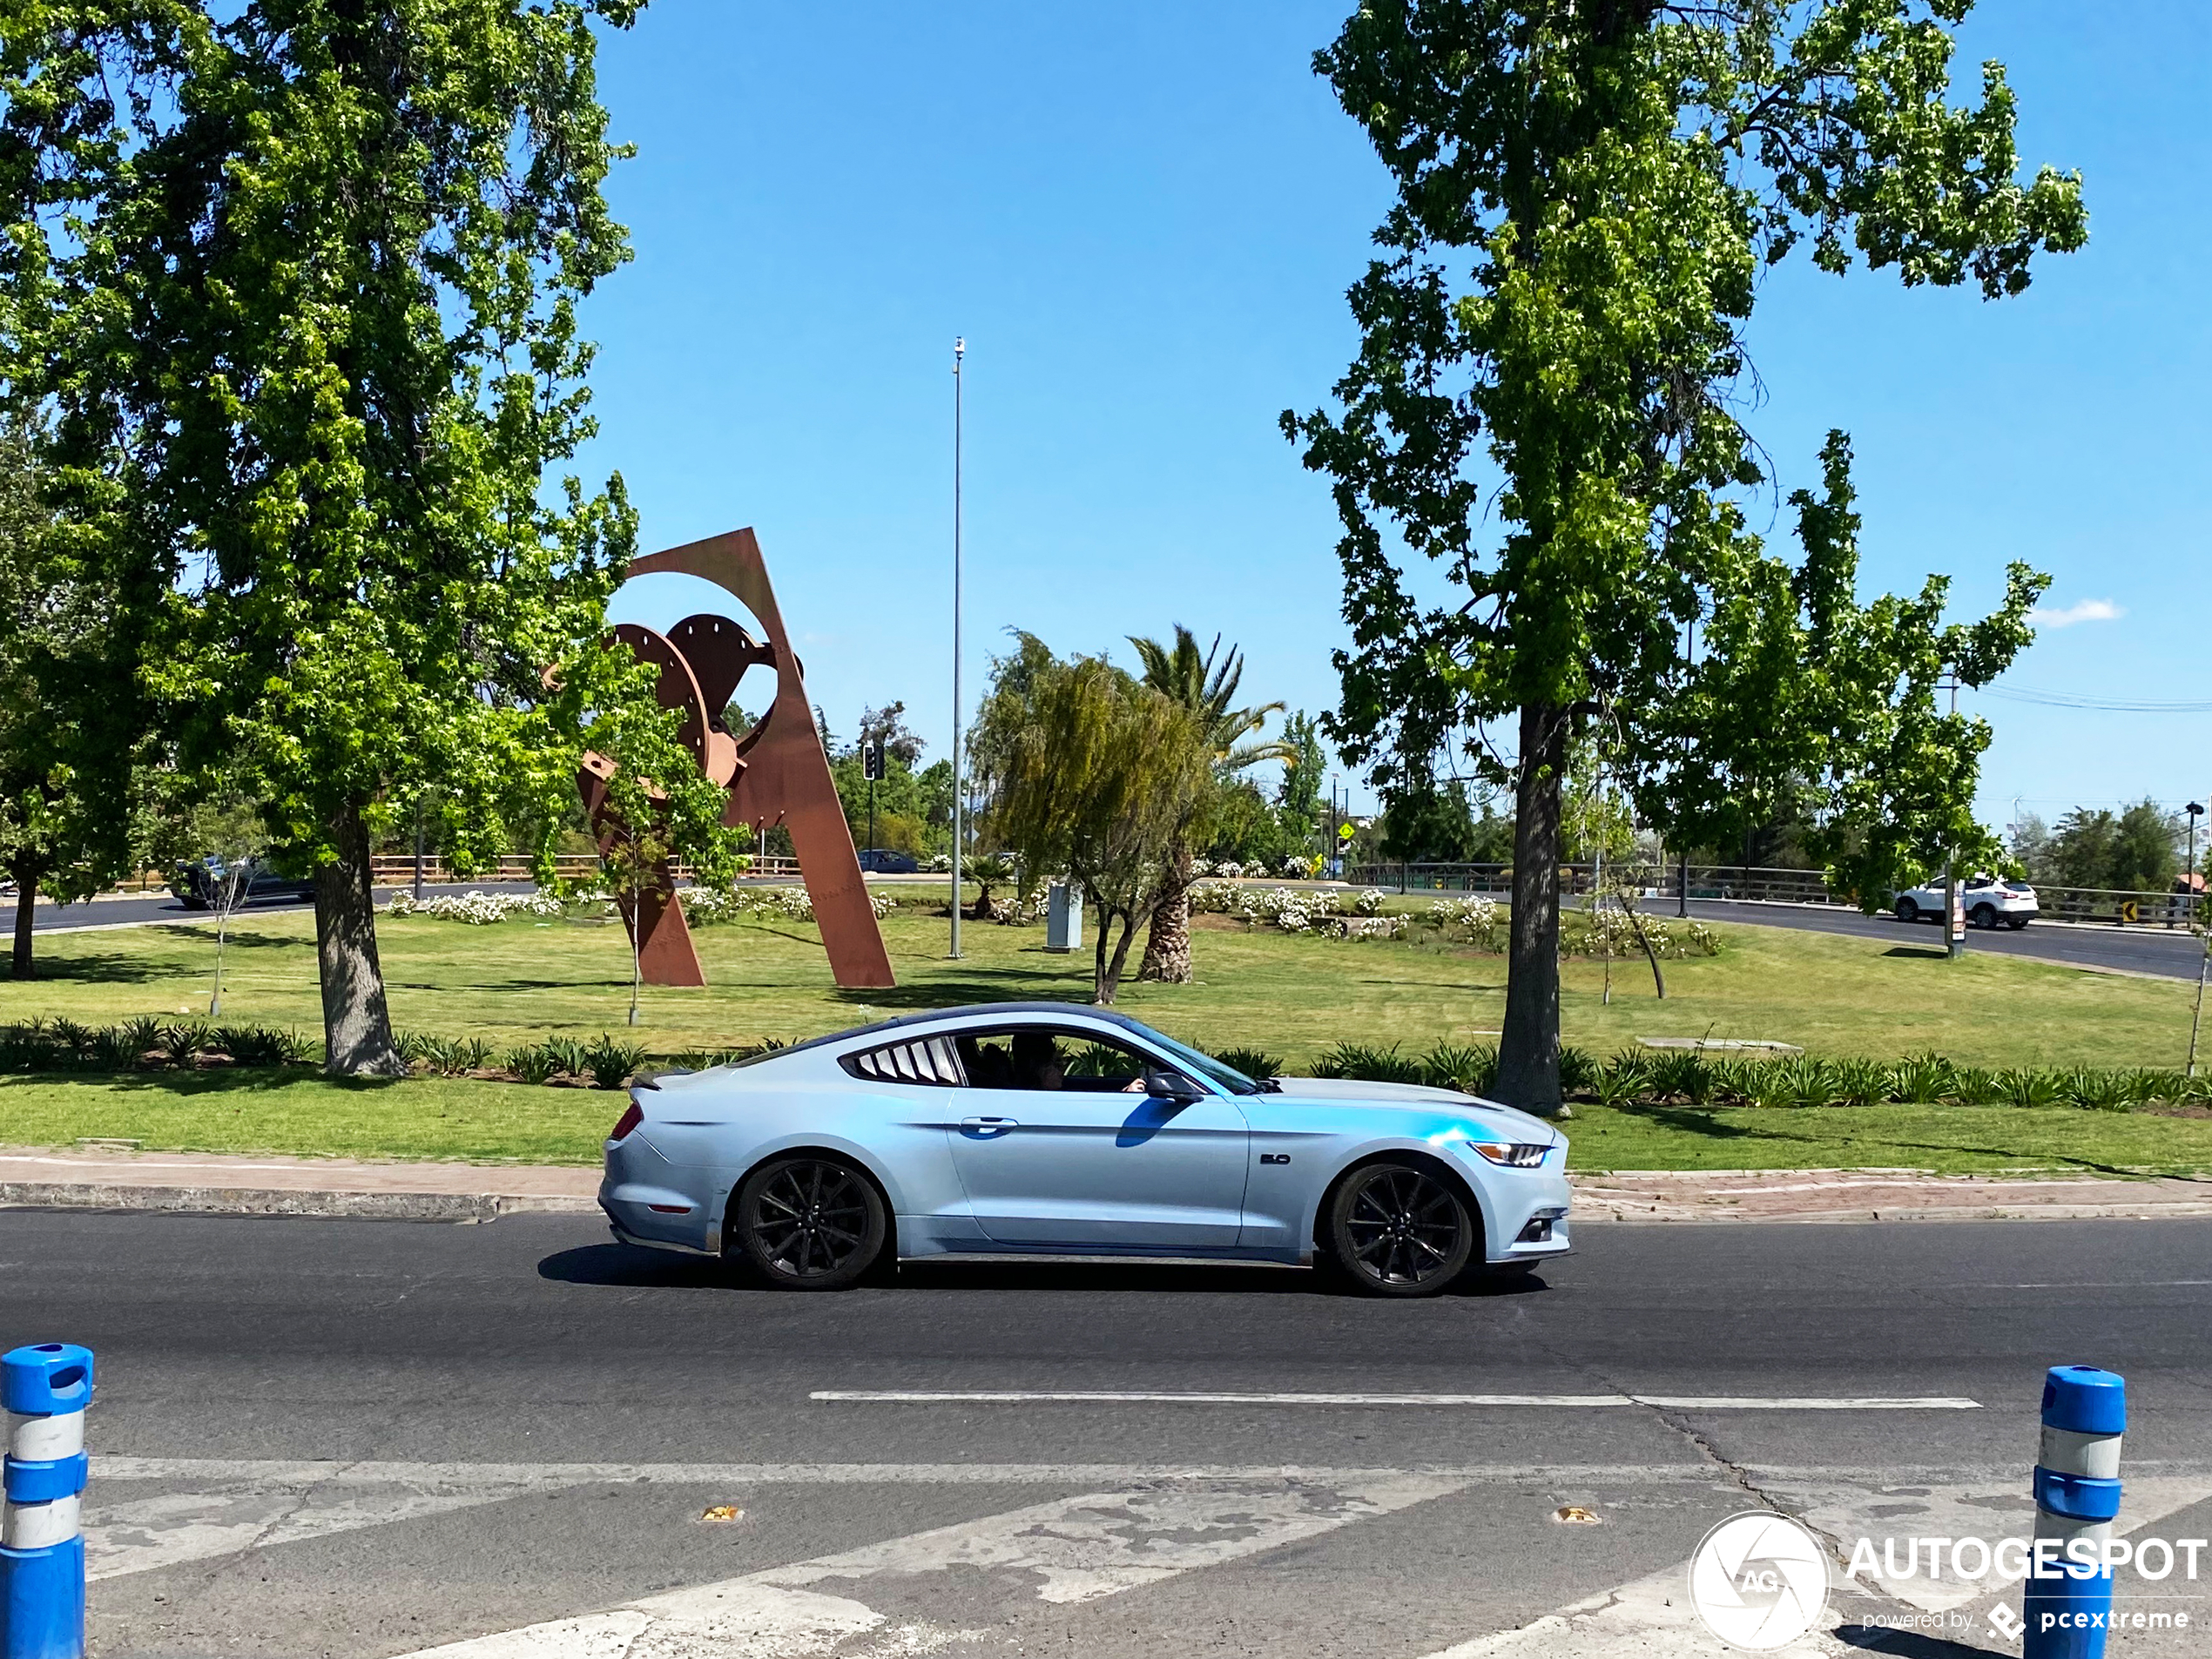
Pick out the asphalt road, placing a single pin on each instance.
(2169, 953)
(368, 1439)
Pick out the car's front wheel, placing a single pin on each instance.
(1984, 917)
(1400, 1229)
(808, 1222)
(1907, 911)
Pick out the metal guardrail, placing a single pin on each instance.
(2119, 907)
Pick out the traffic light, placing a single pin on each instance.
(872, 759)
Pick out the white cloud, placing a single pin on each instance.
(2079, 611)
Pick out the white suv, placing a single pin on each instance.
(1989, 902)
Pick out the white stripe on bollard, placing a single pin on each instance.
(35, 1526)
(2067, 1452)
(45, 1439)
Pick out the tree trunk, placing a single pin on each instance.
(1106, 970)
(356, 1025)
(26, 912)
(1167, 941)
(1528, 1052)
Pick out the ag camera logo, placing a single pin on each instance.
(1759, 1581)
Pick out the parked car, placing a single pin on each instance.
(198, 883)
(1047, 1128)
(879, 860)
(1990, 901)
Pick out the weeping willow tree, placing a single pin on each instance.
(1091, 770)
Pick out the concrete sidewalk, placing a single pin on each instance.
(115, 1176)
(1878, 1195)
(94, 1177)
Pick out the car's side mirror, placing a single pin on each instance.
(1172, 1085)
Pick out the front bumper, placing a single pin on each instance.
(1531, 1211)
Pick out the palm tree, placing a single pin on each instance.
(1206, 685)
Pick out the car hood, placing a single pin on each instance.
(1349, 1091)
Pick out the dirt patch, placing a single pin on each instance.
(2168, 1110)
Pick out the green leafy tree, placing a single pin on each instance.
(305, 301)
(1811, 705)
(75, 743)
(1299, 798)
(1205, 685)
(1092, 772)
(1552, 342)
(2136, 850)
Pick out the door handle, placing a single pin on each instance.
(987, 1125)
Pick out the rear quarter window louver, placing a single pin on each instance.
(926, 1059)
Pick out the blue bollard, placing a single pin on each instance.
(2077, 1495)
(45, 1389)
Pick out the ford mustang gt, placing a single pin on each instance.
(1045, 1128)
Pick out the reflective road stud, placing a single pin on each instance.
(2077, 1494)
(45, 1389)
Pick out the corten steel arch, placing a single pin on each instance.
(775, 773)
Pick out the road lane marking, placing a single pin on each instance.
(1063, 1552)
(1145, 1397)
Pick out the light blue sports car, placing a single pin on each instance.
(1046, 1127)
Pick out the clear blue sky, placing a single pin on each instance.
(1143, 218)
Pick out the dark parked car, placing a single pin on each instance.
(881, 861)
(198, 885)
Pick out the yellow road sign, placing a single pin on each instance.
(2128, 912)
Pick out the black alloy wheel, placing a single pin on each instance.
(1907, 911)
(1399, 1230)
(1984, 917)
(808, 1223)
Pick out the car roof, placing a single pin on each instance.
(972, 1011)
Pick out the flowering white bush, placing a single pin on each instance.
(477, 909)
(1472, 918)
(1609, 932)
(706, 905)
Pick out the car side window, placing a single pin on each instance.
(1052, 1059)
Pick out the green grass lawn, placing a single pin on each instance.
(1293, 996)
(241, 1111)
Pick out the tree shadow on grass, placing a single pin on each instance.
(217, 1079)
(1006, 985)
(202, 935)
(1918, 953)
(97, 967)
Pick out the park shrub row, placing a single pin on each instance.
(145, 1044)
(1632, 1077)
(1641, 1077)
(1471, 919)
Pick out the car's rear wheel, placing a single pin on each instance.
(809, 1222)
(2016, 922)
(1907, 911)
(1401, 1229)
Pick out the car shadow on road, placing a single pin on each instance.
(630, 1267)
(1906, 1644)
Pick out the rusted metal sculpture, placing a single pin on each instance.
(776, 773)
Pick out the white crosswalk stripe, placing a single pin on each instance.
(1072, 1549)
(1133, 1527)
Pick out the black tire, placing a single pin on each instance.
(1907, 911)
(809, 1222)
(2016, 922)
(1984, 917)
(1400, 1229)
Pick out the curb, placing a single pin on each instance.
(1665, 1216)
(272, 1201)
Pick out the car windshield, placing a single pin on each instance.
(1204, 1064)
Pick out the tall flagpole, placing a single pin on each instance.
(960, 350)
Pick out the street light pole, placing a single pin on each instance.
(1954, 927)
(960, 350)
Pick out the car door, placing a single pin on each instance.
(1079, 1159)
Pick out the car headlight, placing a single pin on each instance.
(1513, 1154)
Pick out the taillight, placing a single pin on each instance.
(629, 1121)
